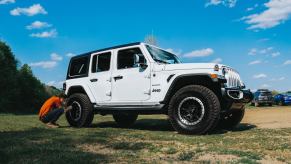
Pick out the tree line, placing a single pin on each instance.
(20, 90)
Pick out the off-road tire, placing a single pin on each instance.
(86, 116)
(211, 110)
(281, 103)
(270, 104)
(231, 119)
(125, 119)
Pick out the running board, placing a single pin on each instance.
(140, 109)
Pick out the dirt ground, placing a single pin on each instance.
(269, 117)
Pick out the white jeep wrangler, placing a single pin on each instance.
(139, 78)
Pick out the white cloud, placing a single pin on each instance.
(57, 84)
(46, 34)
(4, 2)
(30, 11)
(44, 64)
(56, 57)
(263, 40)
(38, 25)
(252, 8)
(227, 3)
(217, 60)
(199, 53)
(278, 79)
(275, 54)
(253, 51)
(277, 12)
(255, 62)
(70, 55)
(287, 62)
(265, 86)
(266, 50)
(260, 76)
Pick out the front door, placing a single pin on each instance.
(131, 77)
(100, 77)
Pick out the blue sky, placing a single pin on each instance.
(253, 36)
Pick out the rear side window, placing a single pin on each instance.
(101, 62)
(79, 67)
(129, 58)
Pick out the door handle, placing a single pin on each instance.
(93, 80)
(118, 77)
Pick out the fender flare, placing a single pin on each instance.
(179, 77)
(81, 89)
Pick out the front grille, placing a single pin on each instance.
(232, 77)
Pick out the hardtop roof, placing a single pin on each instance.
(109, 48)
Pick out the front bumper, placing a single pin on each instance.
(264, 101)
(235, 98)
(237, 95)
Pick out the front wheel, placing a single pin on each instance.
(125, 119)
(194, 109)
(81, 114)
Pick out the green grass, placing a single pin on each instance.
(24, 139)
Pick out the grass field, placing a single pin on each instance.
(23, 139)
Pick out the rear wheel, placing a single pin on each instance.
(81, 114)
(281, 103)
(231, 119)
(125, 119)
(194, 109)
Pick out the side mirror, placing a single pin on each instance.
(143, 65)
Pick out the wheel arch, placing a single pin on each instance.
(192, 79)
(81, 89)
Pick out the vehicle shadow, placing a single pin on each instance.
(141, 124)
(165, 125)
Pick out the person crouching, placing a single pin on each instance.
(52, 109)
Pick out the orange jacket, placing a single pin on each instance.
(53, 102)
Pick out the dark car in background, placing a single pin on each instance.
(262, 97)
(283, 98)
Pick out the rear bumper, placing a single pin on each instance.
(264, 101)
(287, 102)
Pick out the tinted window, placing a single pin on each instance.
(130, 58)
(162, 56)
(266, 94)
(79, 66)
(101, 62)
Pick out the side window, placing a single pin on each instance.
(130, 58)
(101, 62)
(79, 66)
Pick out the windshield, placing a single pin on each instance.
(288, 93)
(266, 94)
(162, 56)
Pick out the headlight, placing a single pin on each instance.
(216, 67)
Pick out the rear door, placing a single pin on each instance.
(100, 76)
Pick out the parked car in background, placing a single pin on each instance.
(262, 97)
(283, 98)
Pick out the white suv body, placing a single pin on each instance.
(143, 78)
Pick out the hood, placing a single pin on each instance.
(188, 66)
